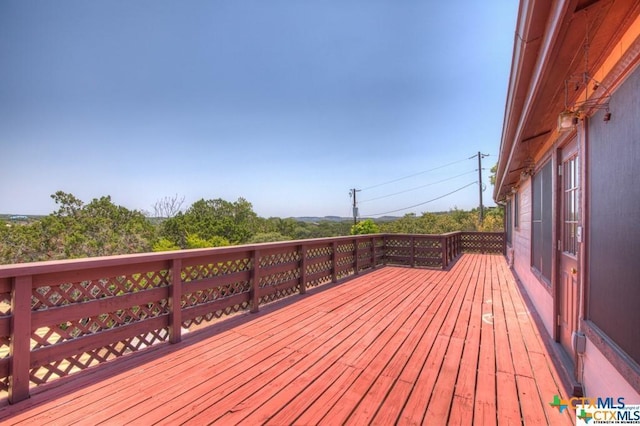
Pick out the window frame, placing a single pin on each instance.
(542, 222)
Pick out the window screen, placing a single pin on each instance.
(541, 227)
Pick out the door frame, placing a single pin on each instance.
(565, 154)
(575, 143)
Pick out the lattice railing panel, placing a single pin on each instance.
(324, 279)
(399, 252)
(319, 267)
(5, 303)
(79, 362)
(5, 341)
(427, 243)
(315, 252)
(58, 333)
(278, 278)
(274, 259)
(69, 296)
(365, 260)
(345, 273)
(5, 345)
(430, 262)
(364, 245)
(215, 293)
(483, 242)
(323, 268)
(397, 243)
(345, 247)
(346, 260)
(211, 270)
(279, 294)
(199, 297)
(212, 316)
(45, 297)
(275, 279)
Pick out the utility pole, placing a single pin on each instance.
(352, 193)
(480, 189)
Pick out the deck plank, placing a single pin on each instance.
(393, 346)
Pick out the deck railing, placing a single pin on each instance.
(61, 317)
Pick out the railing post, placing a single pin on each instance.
(373, 253)
(356, 263)
(303, 269)
(412, 241)
(255, 282)
(175, 302)
(20, 349)
(504, 243)
(443, 247)
(334, 261)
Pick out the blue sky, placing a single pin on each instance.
(287, 103)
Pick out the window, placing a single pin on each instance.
(516, 210)
(541, 226)
(507, 221)
(570, 213)
(612, 227)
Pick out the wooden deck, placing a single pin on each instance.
(397, 345)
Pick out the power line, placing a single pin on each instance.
(416, 174)
(417, 187)
(420, 204)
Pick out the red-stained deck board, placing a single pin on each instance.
(393, 346)
(212, 401)
(424, 366)
(235, 405)
(453, 372)
(388, 364)
(316, 363)
(464, 393)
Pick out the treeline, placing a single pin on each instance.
(100, 227)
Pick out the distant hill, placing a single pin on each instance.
(312, 219)
(315, 219)
(157, 220)
(22, 218)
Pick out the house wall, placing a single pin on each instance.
(604, 369)
(538, 292)
(601, 374)
(600, 378)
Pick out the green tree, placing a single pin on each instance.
(268, 237)
(366, 226)
(492, 176)
(216, 222)
(75, 230)
(194, 241)
(163, 244)
(68, 204)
